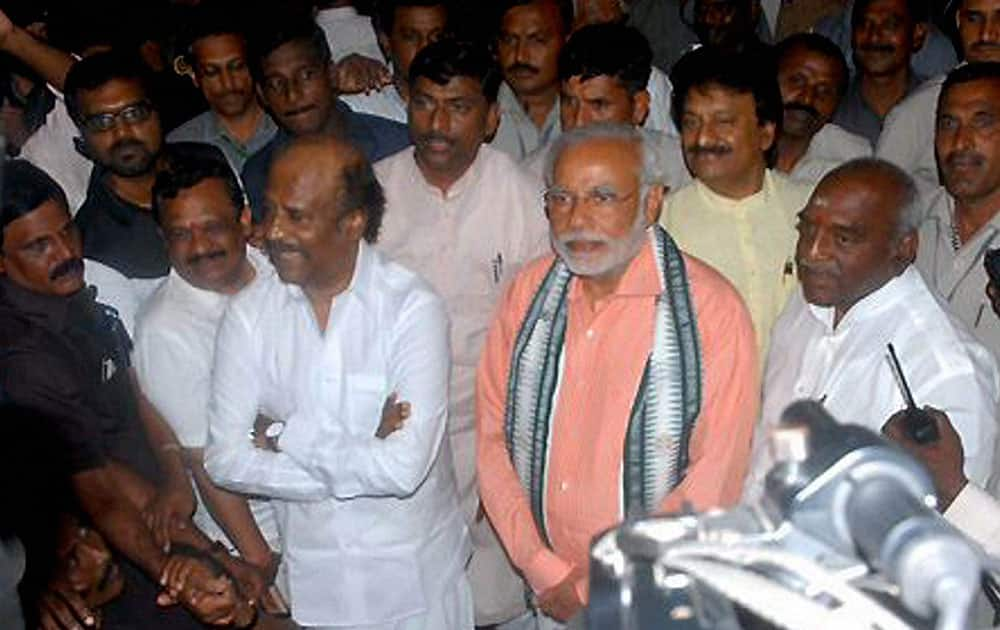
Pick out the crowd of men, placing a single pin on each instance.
(372, 314)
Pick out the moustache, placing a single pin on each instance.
(66, 267)
(809, 110)
(300, 110)
(714, 149)
(433, 136)
(826, 269)
(522, 67)
(127, 143)
(878, 48)
(964, 158)
(198, 258)
(984, 45)
(581, 235)
(279, 247)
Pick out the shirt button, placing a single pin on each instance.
(590, 333)
(564, 486)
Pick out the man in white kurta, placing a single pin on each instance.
(859, 293)
(465, 217)
(372, 532)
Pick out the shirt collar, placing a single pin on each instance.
(872, 305)
(466, 182)
(107, 200)
(53, 311)
(759, 197)
(360, 287)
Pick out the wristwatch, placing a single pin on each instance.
(273, 432)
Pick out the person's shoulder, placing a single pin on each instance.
(791, 190)
(192, 130)
(389, 167)
(845, 144)
(500, 166)
(399, 286)
(709, 285)
(917, 101)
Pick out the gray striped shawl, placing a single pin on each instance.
(665, 408)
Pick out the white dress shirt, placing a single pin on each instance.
(467, 243)
(174, 352)
(829, 148)
(51, 149)
(907, 138)
(371, 530)
(847, 367)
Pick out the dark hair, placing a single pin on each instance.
(361, 189)
(187, 165)
(614, 50)
(816, 43)
(210, 19)
(967, 73)
(744, 73)
(92, 72)
(270, 36)
(446, 59)
(919, 10)
(385, 11)
(565, 11)
(25, 188)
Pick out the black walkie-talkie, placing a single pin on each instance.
(919, 424)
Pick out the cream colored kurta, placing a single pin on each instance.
(751, 241)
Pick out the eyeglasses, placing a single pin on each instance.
(559, 200)
(130, 114)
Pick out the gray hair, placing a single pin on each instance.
(652, 171)
(911, 211)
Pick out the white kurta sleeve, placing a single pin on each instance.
(418, 370)
(231, 458)
(977, 515)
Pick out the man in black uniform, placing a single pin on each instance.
(64, 357)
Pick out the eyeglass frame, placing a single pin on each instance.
(142, 110)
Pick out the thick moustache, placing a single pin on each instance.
(71, 266)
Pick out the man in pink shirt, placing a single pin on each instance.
(619, 377)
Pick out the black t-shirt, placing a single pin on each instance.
(67, 359)
(120, 234)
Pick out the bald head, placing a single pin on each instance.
(857, 233)
(337, 169)
(322, 199)
(885, 181)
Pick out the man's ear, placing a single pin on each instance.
(640, 107)
(354, 223)
(654, 203)
(492, 119)
(768, 135)
(81, 147)
(906, 251)
(919, 36)
(246, 221)
(184, 68)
